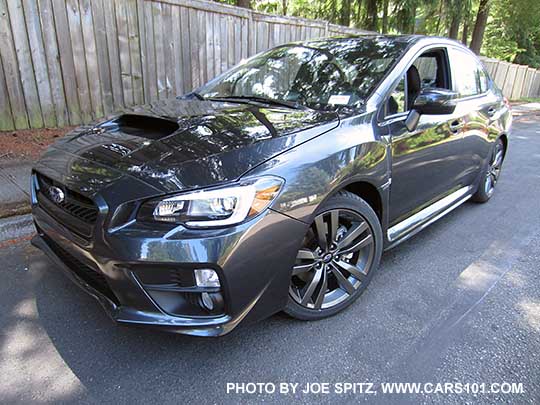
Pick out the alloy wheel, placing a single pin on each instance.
(335, 259)
(494, 169)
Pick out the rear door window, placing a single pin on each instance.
(470, 77)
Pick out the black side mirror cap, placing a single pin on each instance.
(435, 101)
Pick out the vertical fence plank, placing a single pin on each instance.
(201, 44)
(518, 82)
(26, 70)
(186, 49)
(135, 52)
(168, 48)
(216, 18)
(177, 50)
(500, 76)
(509, 80)
(53, 62)
(224, 42)
(237, 40)
(78, 51)
(143, 50)
(159, 46)
(6, 119)
(245, 39)
(209, 36)
(123, 51)
(66, 61)
(536, 87)
(39, 60)
(114, 56)
(90, 51)
(194, 29)
(151, 78)
(230, 40)
(102, 54)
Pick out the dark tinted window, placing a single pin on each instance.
(432, 68)
(319, 74)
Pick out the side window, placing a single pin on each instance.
(470, 77)
(396, 101)
(427, 69)
(430, 69)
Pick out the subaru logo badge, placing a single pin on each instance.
(56, 195)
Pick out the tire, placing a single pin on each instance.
(490, 174)
(339, 255)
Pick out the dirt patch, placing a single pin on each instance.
(28, 144)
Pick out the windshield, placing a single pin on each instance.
(321, 75)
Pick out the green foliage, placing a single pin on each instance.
(512, 32)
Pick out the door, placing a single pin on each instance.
(477, 107)
(427, 163)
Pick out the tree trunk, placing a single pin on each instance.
(385, 17)
(411, 20)
(284, 6)
(358, 14)
(465, 33)
(453, 30)
(480, 26)
(437, 29)
(370, 21)
(345, 18)
(243, 3)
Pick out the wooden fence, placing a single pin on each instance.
(516, 81)
(66, 62)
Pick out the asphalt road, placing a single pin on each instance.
(458, 303)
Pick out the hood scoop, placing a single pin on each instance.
(142, 126)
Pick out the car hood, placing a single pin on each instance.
(175, 145)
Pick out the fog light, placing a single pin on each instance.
(206, 278)
(207, 301)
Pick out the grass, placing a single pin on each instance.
(529, 100)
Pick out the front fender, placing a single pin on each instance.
(317, 169)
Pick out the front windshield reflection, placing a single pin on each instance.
(320, 74)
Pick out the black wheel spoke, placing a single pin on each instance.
(305, 254)
(302, 268)
(334, 225)
(310, 289)
(358, 245)
(322, 290)
(355, 271)
(343, 281)
(320, 227)
(352, 234)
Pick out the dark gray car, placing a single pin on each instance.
(275, 186)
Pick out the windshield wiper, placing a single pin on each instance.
(192, 94)
(260, 100)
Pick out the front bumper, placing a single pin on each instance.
(253, 261)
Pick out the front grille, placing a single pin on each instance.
(77, 212)
(94, 278)
(75, 204)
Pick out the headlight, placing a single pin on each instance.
(215, 207)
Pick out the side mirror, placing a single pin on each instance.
(434, 101)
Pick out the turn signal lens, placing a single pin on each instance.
(206, 278)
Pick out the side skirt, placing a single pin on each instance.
(419, 221)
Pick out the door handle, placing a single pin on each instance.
(455, 126)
